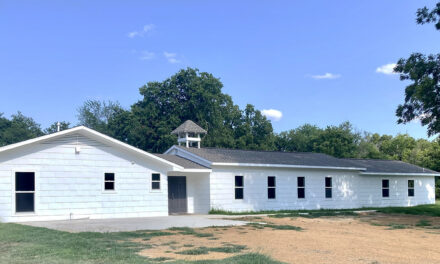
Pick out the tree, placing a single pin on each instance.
(339, 141)
(301, 139)
(422, 95)
(19, 128)
(424, 15)
(190, 95)
(96, 114)
(54, 127)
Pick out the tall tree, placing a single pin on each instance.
(97, 114)
(17, 129)
(422, 95)
(194, 95)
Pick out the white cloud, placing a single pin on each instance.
(171, 57)
(272, 114)
(146, 55)
(387, 69)
(326, 76)
(141, 33)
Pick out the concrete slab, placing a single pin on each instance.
(135, 224)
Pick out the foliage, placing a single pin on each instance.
(423, 93)
(96, 114)
(17, 129)
(54, 127)
(424, 15)
(190, 95)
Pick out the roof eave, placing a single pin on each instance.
(401, 173)
(285, 166)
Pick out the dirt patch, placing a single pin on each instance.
(363, 239)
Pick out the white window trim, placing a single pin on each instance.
(235, 187)
(159, 181)
(104, 191)
(331, 187)
(13, 192)
(382, 188)
(411, 188)
(274, 187)
(301, 187)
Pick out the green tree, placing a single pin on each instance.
(190, 95)
(301, 139)
(54, 127)
(96, 114)
(339, 141)
(19, 128)
(422, 95)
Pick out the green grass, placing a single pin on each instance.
(190, 231)
(277, 227)
(427, 209)
(20, 244)
(205, 250)
(423, 223)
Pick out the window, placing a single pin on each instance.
(271, 191)
(411, 188)
(155, 181)
(328, 187)
(301, 183)
(109, 181)
(24, 191)
(239, 187)
(385, 188)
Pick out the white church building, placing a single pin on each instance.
(80, 173)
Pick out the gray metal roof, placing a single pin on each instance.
(388, 166)
(190, 127)
(303, 159)
(186, 163)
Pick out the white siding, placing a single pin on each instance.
(71, 185)
(350, 190)
(197, 191)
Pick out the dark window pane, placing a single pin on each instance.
(238, 193)
(411, 192)
(328, 193)
(238, 181)
(155, 185)
(24, 202)
(271, 181)
(155, 177)
(301, 182)
(301, 193)
(271, 193)
(385, 183)
(24, 181)
(109, 185)
(328, 182)
(109, 176)
(385, 193)
(410, 183)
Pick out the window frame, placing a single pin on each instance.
(104, 190)
(385, 188)
(238, 187)
(14, 192)
(411, 188)
(274, 187)
(303, 187)
(155, 181)
(328, 187)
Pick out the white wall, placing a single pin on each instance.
(350, 190)
(69, 183)
(197, 191)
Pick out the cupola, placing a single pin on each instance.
(189, 134)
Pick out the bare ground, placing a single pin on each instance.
(370, 238)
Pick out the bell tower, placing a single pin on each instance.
(188, 134)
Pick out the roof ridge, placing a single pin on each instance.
(258, 150)
(374, 159)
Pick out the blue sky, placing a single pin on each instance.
(314, 61)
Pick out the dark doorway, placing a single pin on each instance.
(177, 195)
